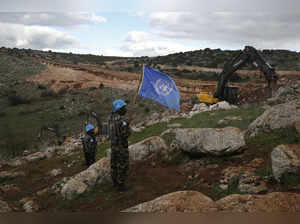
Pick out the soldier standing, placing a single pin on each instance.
(119, 133)
(89, 143)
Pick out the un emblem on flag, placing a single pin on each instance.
(163, 87)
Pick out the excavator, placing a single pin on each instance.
(229, 93)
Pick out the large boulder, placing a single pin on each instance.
(285, 159)
(273, 202)
(146, 149)
(279, 116)
(192, 201)
(181, 201)
(96, 174)
(218, 142)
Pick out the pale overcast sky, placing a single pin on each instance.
(149, 28)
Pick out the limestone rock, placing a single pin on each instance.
(297, 126)
(181, 201)
(211, 141)
(84, 181)
(35, 157)
(146, 149)
(285, 159)
(279, 116)
(4, 207)
(223, 105)
(55, 172)
(192, 201)
(29, 205)
(8, 175)
(273, 202)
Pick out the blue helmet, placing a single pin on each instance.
(118, 104)
(89, 127)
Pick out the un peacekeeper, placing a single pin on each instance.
(119, 133)
(89, 143)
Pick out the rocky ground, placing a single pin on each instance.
(217, 158)
(221, 157)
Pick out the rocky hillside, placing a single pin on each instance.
(217, 157)
(214, 158)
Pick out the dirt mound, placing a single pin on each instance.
(63, 77)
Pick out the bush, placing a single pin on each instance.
(49, 93)
(146, 110)
(62, 91)
(92, 88)
(40, 86)
(15, 100)
(2, 114)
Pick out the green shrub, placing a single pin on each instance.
(290, 180)
(2, 114)
(15, 100)
(49, 93)
(41, 86)
(263, 171)
(62, 91)
(92, 88)
(146, 110)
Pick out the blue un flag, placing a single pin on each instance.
(159, 87)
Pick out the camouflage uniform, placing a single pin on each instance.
(119, 133)
(89, 143)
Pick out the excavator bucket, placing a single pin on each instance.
(206, 97)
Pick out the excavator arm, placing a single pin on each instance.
(248, 55)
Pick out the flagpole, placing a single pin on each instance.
(131, 112)
(139, 85)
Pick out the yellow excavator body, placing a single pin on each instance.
(206, 97)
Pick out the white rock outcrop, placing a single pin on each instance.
(210, 141)
(285, 159)
(279, 116)
(84, 181)
(147, 149)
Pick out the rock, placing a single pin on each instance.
(283, 91)
(175, 125)
(279, 116)
(223, 105)
(56, 188)
(4, 207)
(42, 192)
(181, 201)
(273, 202)
(16, 162)
(26, 153)
(297, 126)
(252, 184)
(96, 174)
(9, 189)
(285, 159)
(9, 175)
(35, 157)
(229, 118)
(55, 172)
(192, 201)
(137, 129)
(146, 149)
(202, 107)
(211, 141)
(29, 205)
